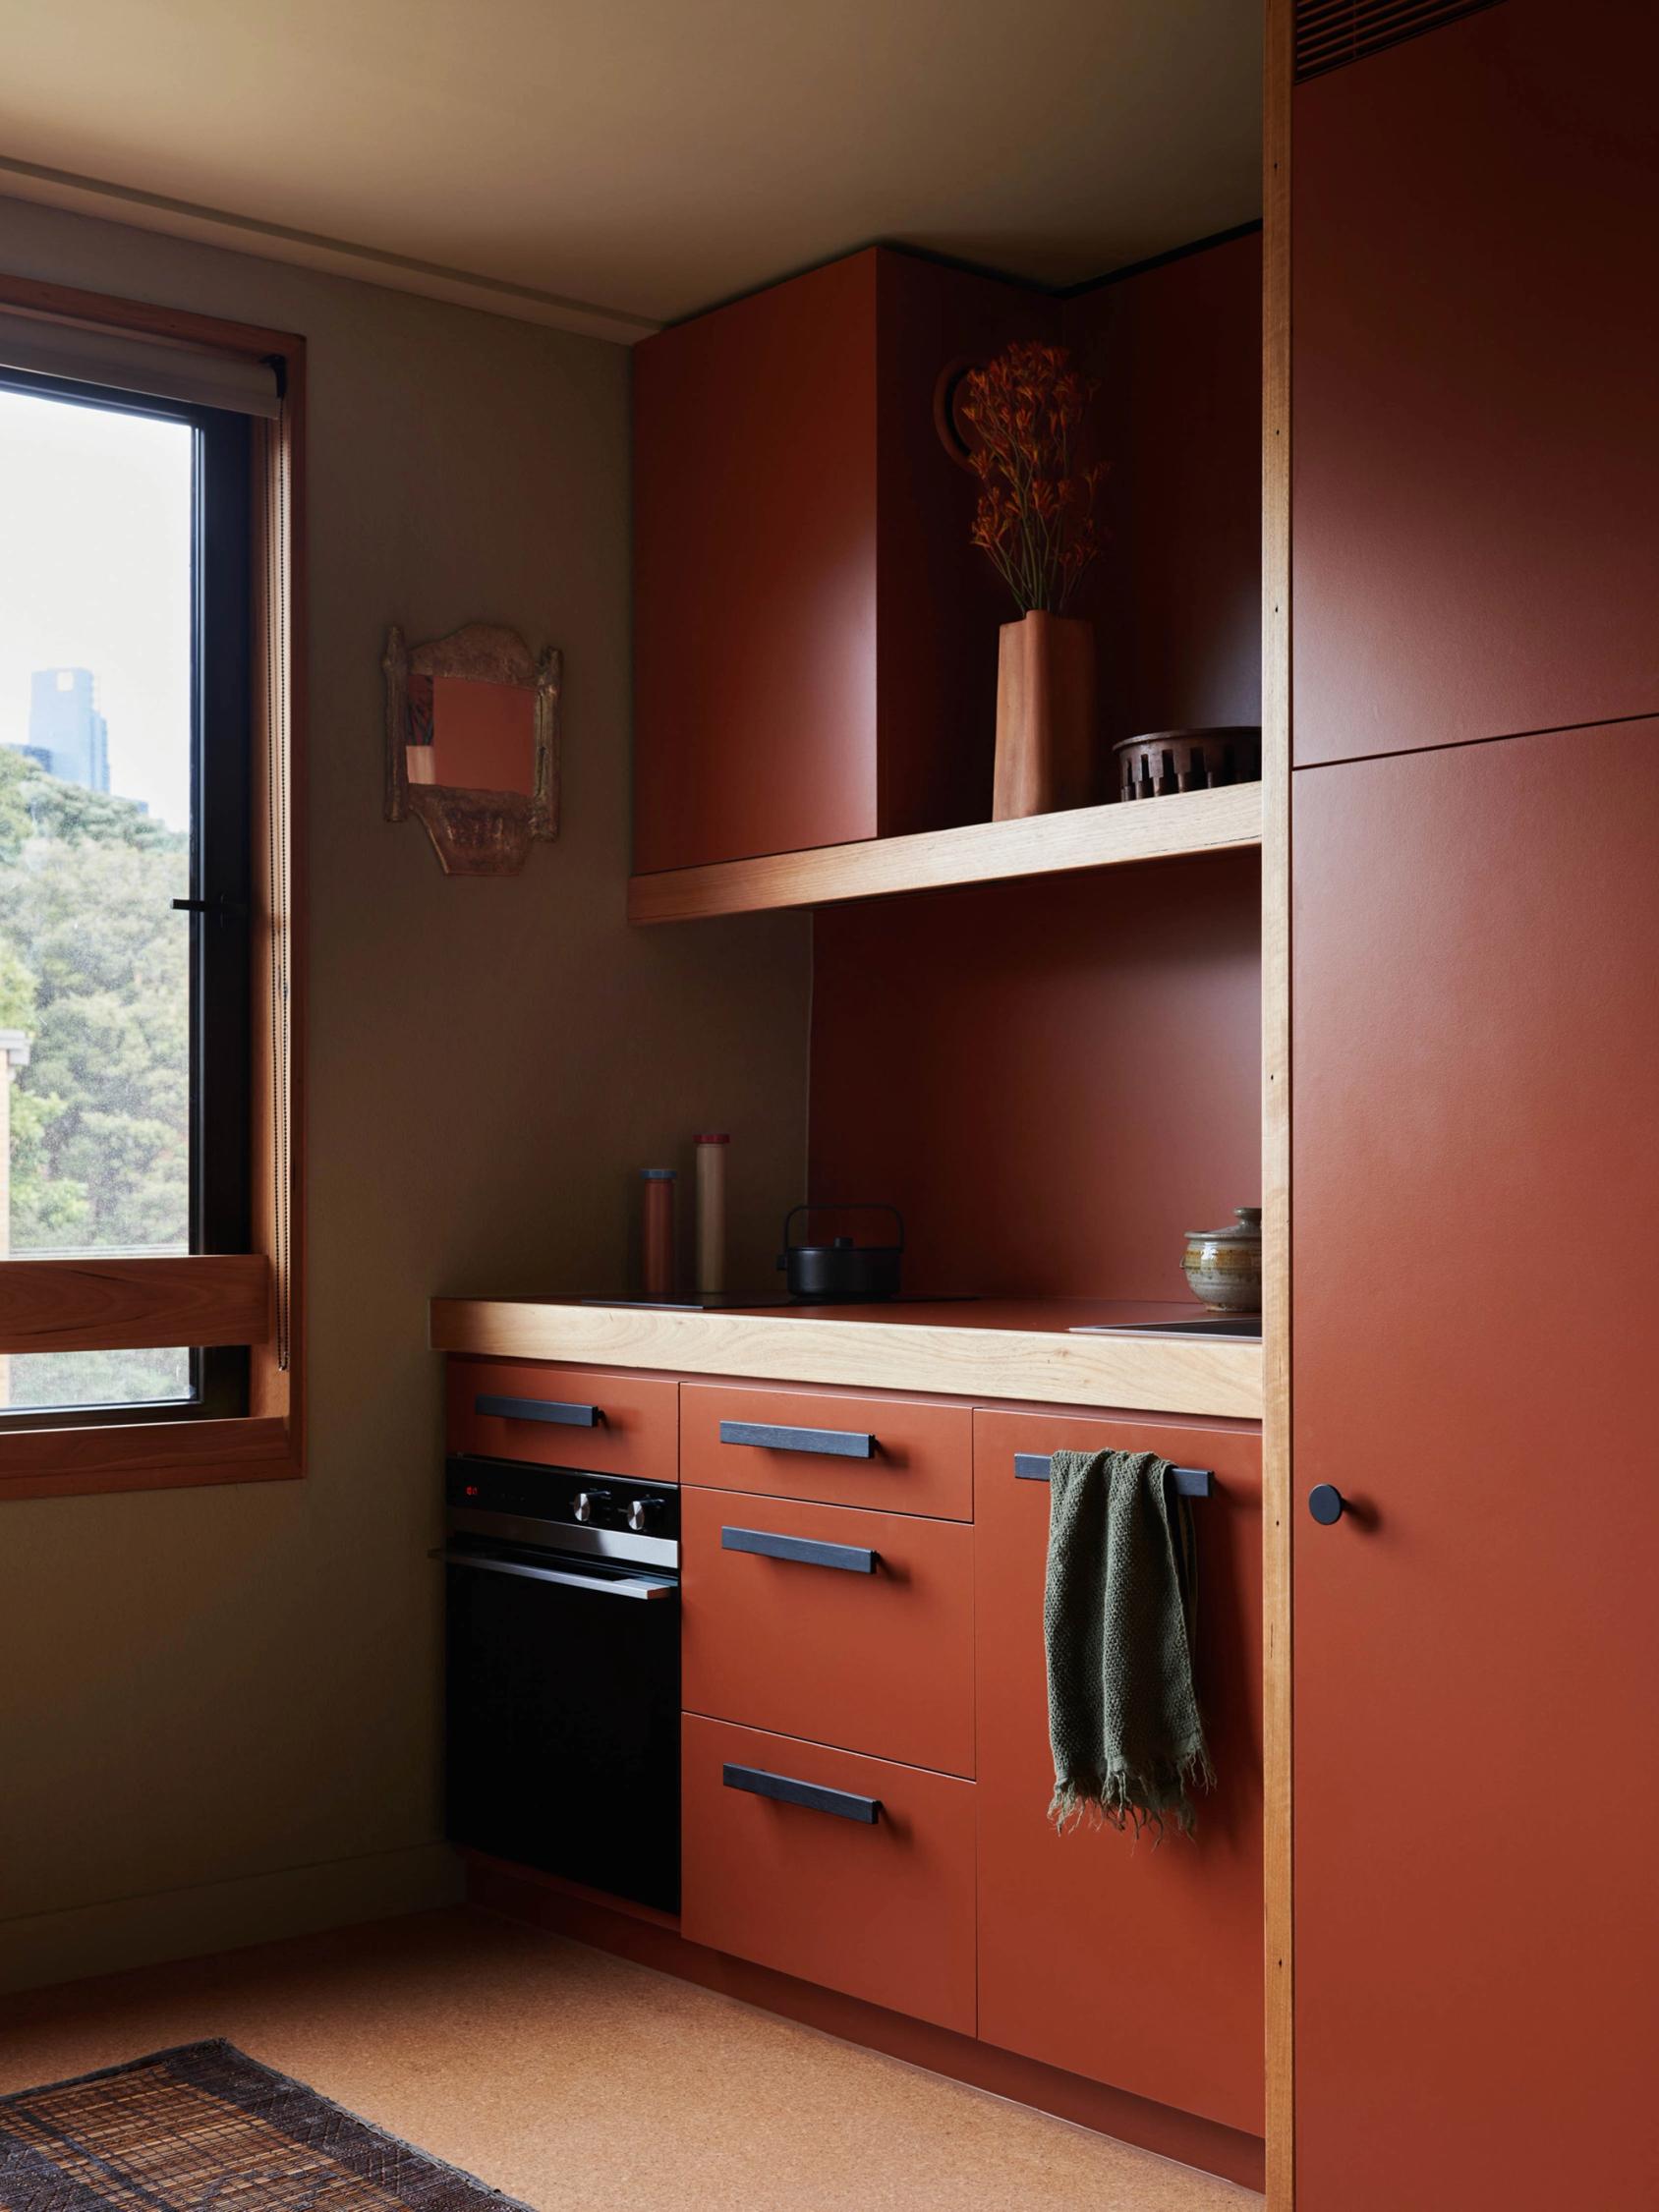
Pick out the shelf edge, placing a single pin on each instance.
(1165, 1376)
(981, 852)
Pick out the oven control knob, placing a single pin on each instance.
(642, 1511)
(585, 1500)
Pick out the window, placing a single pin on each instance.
(149, 540)
(125, 751)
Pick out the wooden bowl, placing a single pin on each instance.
(1165, 761)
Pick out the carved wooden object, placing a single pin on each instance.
(474, 832)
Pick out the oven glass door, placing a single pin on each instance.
(563, 1718)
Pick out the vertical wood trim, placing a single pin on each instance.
(278, 937)
(1277, 1523)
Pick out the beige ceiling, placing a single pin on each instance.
(642, 158)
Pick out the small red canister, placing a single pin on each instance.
(657, 1232)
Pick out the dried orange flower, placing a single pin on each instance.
(1035, 517)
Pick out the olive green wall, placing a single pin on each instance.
(219, 1708)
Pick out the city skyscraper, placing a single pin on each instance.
(67, 734)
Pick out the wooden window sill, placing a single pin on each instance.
(99, 1303)
(97, 1459)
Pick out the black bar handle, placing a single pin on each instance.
(852, 1559)
(839, 1444)
(565, 1415)
(1187, 1482)
(788, 1792)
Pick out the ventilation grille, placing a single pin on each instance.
(1332, 32)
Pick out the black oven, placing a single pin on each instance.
(563, 1673)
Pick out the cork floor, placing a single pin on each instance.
(570, 2078)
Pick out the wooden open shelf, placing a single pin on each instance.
(981, 852)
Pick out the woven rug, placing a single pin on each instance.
(205, 2128)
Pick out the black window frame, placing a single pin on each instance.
(221, 876)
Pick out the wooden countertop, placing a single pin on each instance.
(978, 1348)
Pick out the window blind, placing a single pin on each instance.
(83, 354)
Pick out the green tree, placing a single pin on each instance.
(94, 965)
(94, 968)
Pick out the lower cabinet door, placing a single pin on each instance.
(842, 1628)
(850, 1872)
(882, 1454)
(1133, 1962)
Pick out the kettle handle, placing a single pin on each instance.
(835, 1207)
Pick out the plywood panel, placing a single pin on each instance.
(981, 852)
(986, 1349)
(1277, 1869)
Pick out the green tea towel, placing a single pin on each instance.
(1118, 1614)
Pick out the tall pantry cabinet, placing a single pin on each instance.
(1474, 1053)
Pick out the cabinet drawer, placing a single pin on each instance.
(565, 1417)
(1184, 1919)
(803, 1619)
(853, 1873)
(895, 1456)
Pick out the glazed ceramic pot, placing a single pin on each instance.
(1225, 1266)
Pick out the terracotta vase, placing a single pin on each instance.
(1045, 716)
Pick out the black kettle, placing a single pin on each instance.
(841, 1272)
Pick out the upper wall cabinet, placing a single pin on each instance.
(1176, 598)
(815, 637)
(1476, 429)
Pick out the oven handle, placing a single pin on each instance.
(599, 1585)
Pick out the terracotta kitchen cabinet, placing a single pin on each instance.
(802, 1619)
(1476, 1644)
(868, 1888)
(895, 1456)
(598, 1418)
(1476, 469)
(1133, 1964)
(815, 637)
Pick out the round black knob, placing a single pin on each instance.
(1325, 1502)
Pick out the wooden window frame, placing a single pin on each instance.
(252, 1298)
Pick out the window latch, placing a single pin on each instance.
(222, 909)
